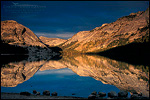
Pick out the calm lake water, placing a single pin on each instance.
(79, 75)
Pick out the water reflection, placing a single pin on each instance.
(122, 75)
(17, 71)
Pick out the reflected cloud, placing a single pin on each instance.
(64, 71)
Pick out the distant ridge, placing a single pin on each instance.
(52, 41)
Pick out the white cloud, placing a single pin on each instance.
(49, 35)
(64, 35)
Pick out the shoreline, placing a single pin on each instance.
(5, 95)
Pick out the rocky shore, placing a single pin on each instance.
(94, 95)
(32, 96)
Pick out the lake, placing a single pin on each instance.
(77, 75)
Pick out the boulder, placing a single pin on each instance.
(112, 94)
(94, 93)
(73, 94)
(34, 91)
(134, 96)
(101, 94)
(54, 94)
(46, 92)
(123, 94)
(134, 92)
(38, 93)
(25, 93)
(140, 94)
(91, 96)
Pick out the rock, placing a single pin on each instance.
(133, 14)
(38, 93)
(104, 24)
(123, 94)
(140, 94)
(46, 92)
(54, 94)
(134, 92)
(101, 94)
(73, 94)
(112, 94)
(91, 96)
(34, 91)
(94, 93)
(25, 93)
(134, 96)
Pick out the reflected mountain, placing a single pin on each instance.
(18, 70)
(15, 73)
(120, 74)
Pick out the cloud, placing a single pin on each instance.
(64, 35)
(64, 71)
(45, 35)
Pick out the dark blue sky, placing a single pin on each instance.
(63, 19)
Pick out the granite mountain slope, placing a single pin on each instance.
(17, 34)
(125, 30)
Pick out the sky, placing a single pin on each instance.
(63, 19)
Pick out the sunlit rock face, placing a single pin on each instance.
(52, 41)
(16, 34)
(13, 74)
(125, 30)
